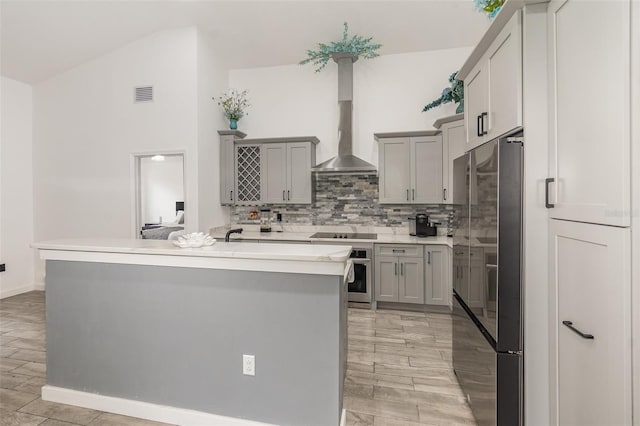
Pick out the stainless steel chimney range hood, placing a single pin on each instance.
(345, 161)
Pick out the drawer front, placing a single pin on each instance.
(405, 250)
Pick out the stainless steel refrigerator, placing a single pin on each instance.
(487, 280)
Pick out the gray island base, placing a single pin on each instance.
(166, 343)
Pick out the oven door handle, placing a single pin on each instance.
(351, 275)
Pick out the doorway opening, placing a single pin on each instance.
(159, 205)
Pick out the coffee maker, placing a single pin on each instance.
(424, 228)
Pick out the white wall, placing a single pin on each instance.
(16, 188)
(161, 185)
(389, 94)
(213, 77)
(86, 127)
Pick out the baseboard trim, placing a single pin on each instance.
(19, 290)
(140, 409)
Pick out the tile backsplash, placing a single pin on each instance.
(342, 199)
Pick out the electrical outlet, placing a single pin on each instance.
(249, 365)
(2, 267)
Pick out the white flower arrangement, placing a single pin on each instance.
(234, 103)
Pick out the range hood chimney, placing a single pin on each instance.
(345, 161)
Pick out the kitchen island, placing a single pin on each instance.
(146, 329)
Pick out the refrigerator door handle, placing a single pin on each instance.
(569, 324)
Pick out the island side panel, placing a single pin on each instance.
(176, 336)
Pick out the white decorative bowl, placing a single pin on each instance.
(195, 239)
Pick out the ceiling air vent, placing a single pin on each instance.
(143, 94)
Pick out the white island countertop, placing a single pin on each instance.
(322, 259)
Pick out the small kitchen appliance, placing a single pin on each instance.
(265, 220)
(412, 226)
(424, 228)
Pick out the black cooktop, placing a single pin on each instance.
(345, 235)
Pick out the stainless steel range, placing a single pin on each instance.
(361, 289)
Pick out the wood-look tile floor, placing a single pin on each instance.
(399, 371)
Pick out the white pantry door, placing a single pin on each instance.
(590, 278)
(589, 80)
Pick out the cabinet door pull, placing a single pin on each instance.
(575, 330)
(407, 195)
(288, 195)
(444, 194)
(402, 269)
(398, 250)
(231, 195)
(483, 115)
(413, 194)
(478, 126)
(547, 204)
(429, 258)
(395, 269)
(283, 197)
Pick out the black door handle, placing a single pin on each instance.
(483, 115)
(575, 330)
(478, 126)
(547, 204)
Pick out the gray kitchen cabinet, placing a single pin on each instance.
(399, 273)
(274, 170)
(493, 87)
(274, 165)
(287, 172)
(437, 288)
(301, 156)
(394, 171)
(410, 167)
(411, 280)
(386, 278)
(227, 164)
(453, 142)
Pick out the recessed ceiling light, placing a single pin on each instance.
(157, 158)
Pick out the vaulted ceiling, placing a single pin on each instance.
(40, 39)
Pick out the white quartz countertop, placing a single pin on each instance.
(312, 259)
(383, 238)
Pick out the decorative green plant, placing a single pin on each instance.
(356, 45)
(233, 103)
(490, 7)
(455, 93)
